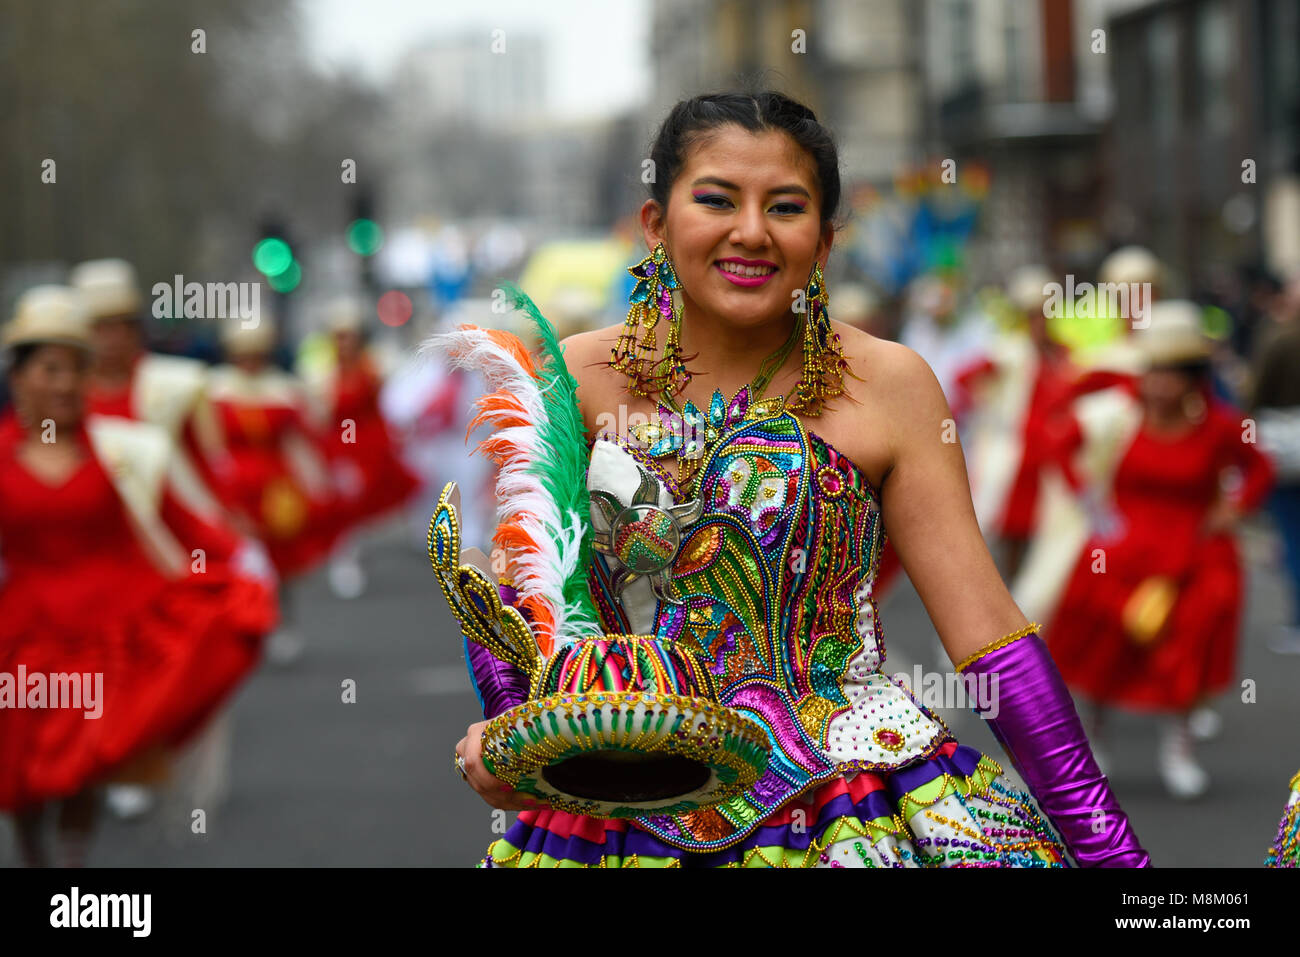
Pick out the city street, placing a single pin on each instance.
(316, 781)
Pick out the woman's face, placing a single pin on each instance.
(741, 197)
(116, 341)
(1165, 388)
(250, 362)
(51, 384)
(347, 345)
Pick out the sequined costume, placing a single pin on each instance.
(1285, 849)
(773, 588)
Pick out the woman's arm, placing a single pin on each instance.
(1258, 473)
(927, 511)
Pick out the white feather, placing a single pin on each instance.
(521, 497)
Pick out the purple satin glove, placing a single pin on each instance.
(499, 685)
(1038, 726)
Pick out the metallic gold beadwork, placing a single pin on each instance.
(474, 599)
(1002, 642)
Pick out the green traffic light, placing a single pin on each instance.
(365, 237)
(272, 257)
(288, 280)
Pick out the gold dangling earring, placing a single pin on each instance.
(823, 357)
(655, 296)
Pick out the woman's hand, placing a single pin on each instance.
(1222, 518)
(492, 790)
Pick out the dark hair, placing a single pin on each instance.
(693, 120)
(22, 353)
(1198, 370)
(19, 354)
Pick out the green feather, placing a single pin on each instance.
(562, 466)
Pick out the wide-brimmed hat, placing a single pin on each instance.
(615, 726)
(1027, 288)
(109, 288)
(1174, 336)
(239, 339)
(345, 314)
(1131, 264)
(48, 314)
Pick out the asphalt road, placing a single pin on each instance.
(317, 781)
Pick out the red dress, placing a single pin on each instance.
(80, 595)
(371, 476)
(1044, 419)
(297, 525)
(1044, 425)
(1163, 489)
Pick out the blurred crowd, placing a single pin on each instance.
(156, 513)
(1115, 439)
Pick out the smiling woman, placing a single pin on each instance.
(769, 583)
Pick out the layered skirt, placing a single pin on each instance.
(954, 809)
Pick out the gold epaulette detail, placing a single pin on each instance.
(474, 600)
(1002, 642)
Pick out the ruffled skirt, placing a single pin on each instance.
(1193, 656)
(167, 662)
(953, 809)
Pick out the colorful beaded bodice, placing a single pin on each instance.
(770, 583)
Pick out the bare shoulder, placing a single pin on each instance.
(586, 347)
(587, 355)
(896, 378)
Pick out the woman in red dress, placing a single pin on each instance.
(369, 474)
(277, 481)
(1019, 392)
(124, 619)
(1150, 617)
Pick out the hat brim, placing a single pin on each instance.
(1169, 358)
(75, 342)
(626, 754)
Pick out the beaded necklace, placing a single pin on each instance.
(690, 432)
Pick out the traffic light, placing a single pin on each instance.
(364, 236)
(273, 257)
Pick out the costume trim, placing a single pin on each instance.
(1002, 642)
(137, 457)
(473, 598)
(960, 813)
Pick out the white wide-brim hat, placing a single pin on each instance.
(1175, 335)
(1131, 264)
(239, 339)
(1027, 287)
(108, 287)
(48, 314)
(345, 314)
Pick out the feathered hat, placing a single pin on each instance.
(616, 725)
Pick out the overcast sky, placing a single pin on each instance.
(597, 58)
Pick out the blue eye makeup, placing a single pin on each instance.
(708, 199)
